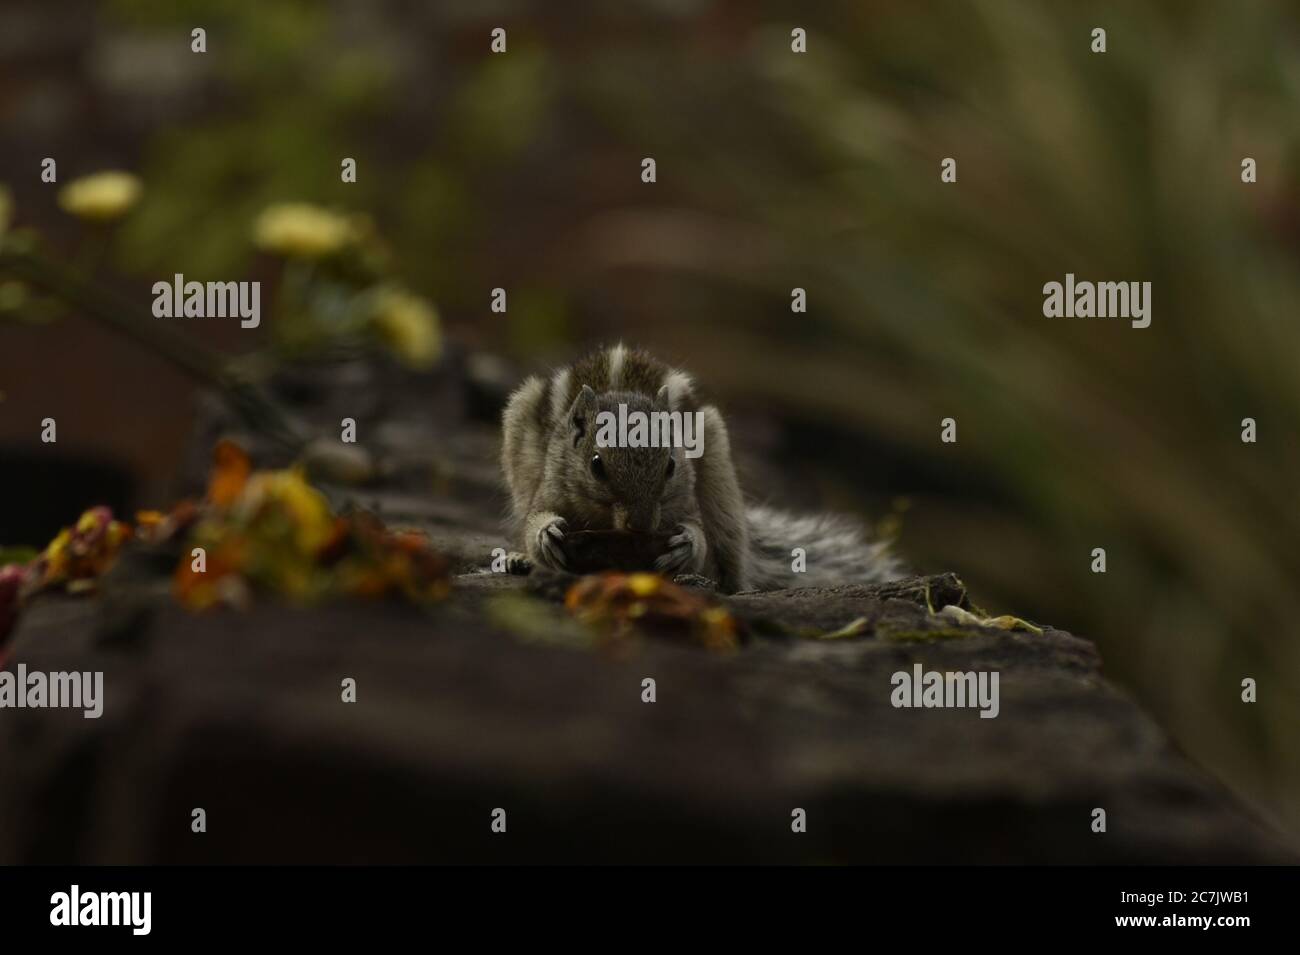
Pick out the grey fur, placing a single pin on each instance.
(549, 442)
(837, 551)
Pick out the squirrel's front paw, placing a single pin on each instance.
(518, 564)
(685, 552)
(548, 546)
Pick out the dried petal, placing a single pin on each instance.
(230, 470)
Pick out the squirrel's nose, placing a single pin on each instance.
(619, 515)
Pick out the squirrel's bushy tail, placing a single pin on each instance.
(837, 549)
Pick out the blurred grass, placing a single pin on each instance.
(822, 171)
(925, 301)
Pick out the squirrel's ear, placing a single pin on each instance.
(584, 407)
(663, 399)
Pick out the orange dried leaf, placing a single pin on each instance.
(617, 603)
(231, 468)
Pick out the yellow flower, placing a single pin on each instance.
(644, 585)
(409, 325)
(57, 556)
(289, 493)
(301, 231)
(101, 197)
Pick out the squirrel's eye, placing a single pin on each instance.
(598, 467)
(672, 466)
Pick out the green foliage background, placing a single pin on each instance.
(822, 171)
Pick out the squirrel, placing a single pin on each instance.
(561, 480)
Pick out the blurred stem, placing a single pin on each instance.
(92, 250)
(256, 409)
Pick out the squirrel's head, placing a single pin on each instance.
(625, 488)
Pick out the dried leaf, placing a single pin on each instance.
(272, 531)
(958, 615)
(230, 470)
(617, 604)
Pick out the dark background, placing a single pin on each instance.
(775, 170)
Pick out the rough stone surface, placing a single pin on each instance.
(496, 698)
